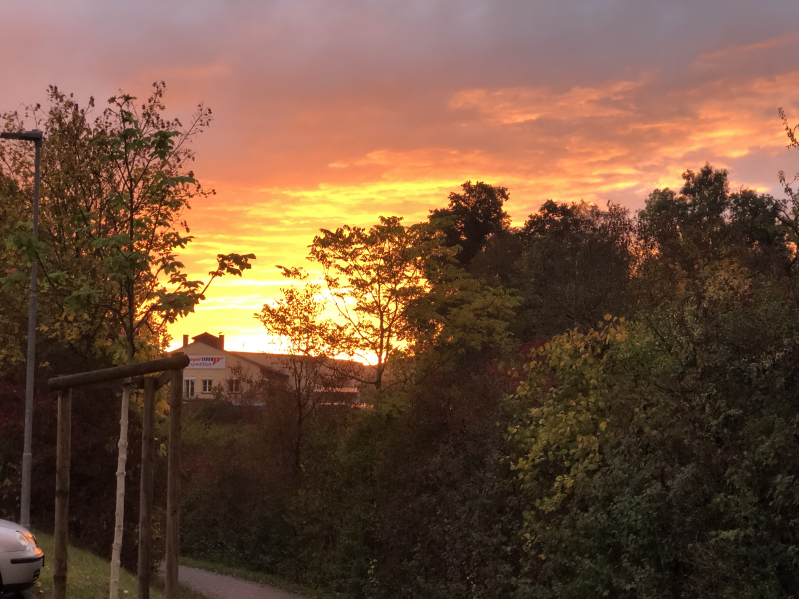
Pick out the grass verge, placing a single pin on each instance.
(87, 576)
(259, 577)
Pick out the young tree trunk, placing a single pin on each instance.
(122, 459)
(379, 374)
(298, 439)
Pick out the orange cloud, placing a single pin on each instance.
(618, 140)
(522, 104)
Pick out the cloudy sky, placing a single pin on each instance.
(334, 112)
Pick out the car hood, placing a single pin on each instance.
(13, 525)
(8, 538)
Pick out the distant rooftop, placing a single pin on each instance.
(208, 339)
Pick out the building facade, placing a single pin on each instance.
(215, 372)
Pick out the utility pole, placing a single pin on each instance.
(27, 457)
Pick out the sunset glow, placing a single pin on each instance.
(332, 113)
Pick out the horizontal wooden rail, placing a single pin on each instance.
(174, 362)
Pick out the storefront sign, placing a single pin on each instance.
(207, 362)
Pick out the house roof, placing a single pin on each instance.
(210, 340)
(267, 358)
(257, 363)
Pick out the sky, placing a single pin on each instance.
(336, 112)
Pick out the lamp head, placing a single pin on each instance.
(35, 136)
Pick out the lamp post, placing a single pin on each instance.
(25, 499)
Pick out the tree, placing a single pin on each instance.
(704, 223)
(575, 268)
(403, 298)
(373, 277)
(115, 192)
(296, 319)
(691, 225)
(149, 188)
(458, 317)
(793, 142)
(12, 316)
(652, 456)
(69, 178)
(472, 217)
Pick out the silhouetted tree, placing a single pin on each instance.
(473, 217)
(703, 223)
(576, 267)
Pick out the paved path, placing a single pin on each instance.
(219, 586)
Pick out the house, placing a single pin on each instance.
(213, 369)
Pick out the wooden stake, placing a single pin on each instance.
(146, 486)
(173, 487)
(63, 451)
(119, 511)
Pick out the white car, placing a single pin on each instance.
(21, 560)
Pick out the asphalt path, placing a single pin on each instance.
(220, 586)
(213, 586)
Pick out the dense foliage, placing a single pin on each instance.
(594, 404)
(635, 437)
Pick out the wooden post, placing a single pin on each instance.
(173, 486)
(63, 443)
(146, 487)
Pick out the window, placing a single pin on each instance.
(207, 384)
(188, 387)
(234, 385)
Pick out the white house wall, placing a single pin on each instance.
(217, 375)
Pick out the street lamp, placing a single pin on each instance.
(25, 500)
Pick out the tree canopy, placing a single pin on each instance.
(472, 217)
